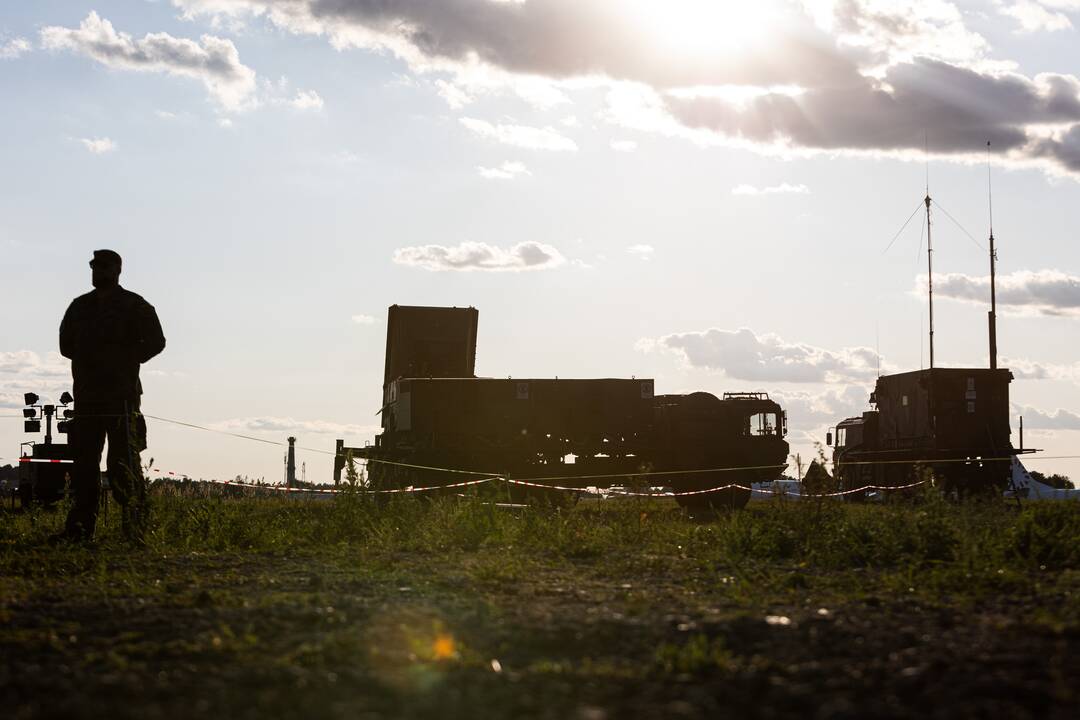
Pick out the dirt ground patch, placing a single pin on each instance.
(646, 630)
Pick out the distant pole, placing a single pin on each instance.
(290, 468)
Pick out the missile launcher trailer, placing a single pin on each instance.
(557, 431)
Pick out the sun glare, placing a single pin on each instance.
(703, 27)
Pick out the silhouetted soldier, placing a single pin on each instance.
(107, 333)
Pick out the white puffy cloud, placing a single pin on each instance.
(1036, 16)
(1043, 292)
(292, 426)
(14, 48)
(211, 60)
(507, 171)
(307, 100)
(817, 409)
(1058, 419)
(365, 319)
(454, 96)
(781, 189)
(623, 145)
(23, 371)
(98, 146)
(470, 256)
(1025, 369)
(523, 136)
(744, 355)
(645, 252)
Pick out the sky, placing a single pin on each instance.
(711, 194)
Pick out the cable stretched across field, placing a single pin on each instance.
(581, 491)
(539, 481)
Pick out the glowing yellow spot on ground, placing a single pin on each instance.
(444, 647)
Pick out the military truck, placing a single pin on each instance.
(574, 433)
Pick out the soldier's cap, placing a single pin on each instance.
(107, 257)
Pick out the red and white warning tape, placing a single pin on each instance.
(511, 481)
(719, 488)
(332, 491)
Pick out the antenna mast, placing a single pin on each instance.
(993, 266)
(930, 279)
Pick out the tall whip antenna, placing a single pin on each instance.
(993, 265)
(929, 254)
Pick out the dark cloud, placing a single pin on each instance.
(950, 108)
(1045, 292)
(849, 75)
(555, 38)
(1064, 150)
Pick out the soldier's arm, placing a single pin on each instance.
(68, 334)
(151, 337)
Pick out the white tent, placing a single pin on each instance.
(1025, 487)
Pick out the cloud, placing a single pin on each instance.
(523, 136)
(1044, 420)
(744, 355)
(292, 426)
(963, 109)
(1025, 369)
(812, 410)
(1034, 16)
(23, 371)
(781, 189)
(553, 39)
(645, 252)
(469, 256)
(1044, 292)
(454, 96)
(31, 364)
(365, 319)
(212, 60)
(307, 100)
(507, 171)
(838, 76)
(623, 145)
(98, 146)
(14, 48)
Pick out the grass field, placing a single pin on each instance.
(450, 608)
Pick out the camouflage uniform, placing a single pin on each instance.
(107, 334)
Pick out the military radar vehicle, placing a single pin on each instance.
(571, 433)
(952, 422)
